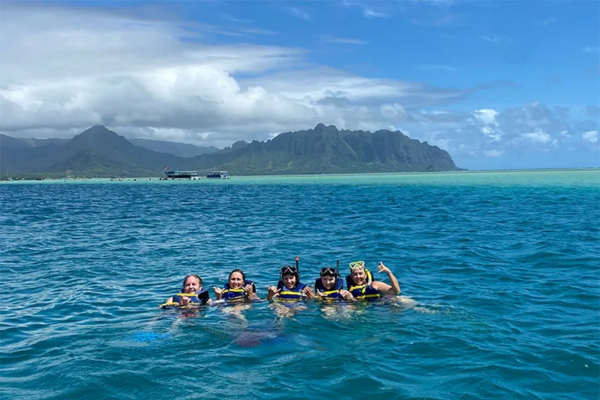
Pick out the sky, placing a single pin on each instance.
(497, 84)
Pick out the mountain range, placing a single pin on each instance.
(100, 152)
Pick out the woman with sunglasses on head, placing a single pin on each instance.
(289, 288)
(330, 287)
(237, 288)
(362, 286)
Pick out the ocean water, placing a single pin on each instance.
(500, 278)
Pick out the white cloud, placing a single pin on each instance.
(487, 116)
(366, 9)
(65, 69)
(494, 134)
(370, 13)
(591, 136)
(538, 136)
(531, 129)
(296, 12)
(334, 39)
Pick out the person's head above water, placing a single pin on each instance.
(358, 272)
(192, 283)
(237, 278)
(289, 276)
(328, 277)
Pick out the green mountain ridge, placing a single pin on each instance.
(174, 148)
(159, 146)
(100, 152)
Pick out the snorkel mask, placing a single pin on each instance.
(328, 271)
(361, 265)
(289, 270)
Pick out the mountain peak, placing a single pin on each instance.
(100, 137)
(322, 127)
(97, 130)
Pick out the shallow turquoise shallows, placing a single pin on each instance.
(500, 278)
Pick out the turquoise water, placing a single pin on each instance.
(499, 274)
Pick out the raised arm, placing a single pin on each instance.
(385, 288)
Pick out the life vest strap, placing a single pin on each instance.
(290, 293)
(173, 304)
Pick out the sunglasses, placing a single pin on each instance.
(357, 264)
(328, 271)
(288, 270)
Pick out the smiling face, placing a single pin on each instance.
(359, 276)
(236, 280)
(191, 285)
(328, 281)
(289, 281)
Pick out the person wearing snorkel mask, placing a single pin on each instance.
(362, 286)
(289, 288)
(330, 287)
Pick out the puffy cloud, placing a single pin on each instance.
(65, 69)
(487, 116)
(533, 128)
(591, 136)
(539, 136)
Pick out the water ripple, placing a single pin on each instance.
(500, 288)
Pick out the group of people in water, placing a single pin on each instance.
(328, 287)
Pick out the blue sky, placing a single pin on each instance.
(498, 84)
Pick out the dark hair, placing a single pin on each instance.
(195, 276)
(237, 270)
(243, 277)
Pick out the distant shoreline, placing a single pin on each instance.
(299, 176)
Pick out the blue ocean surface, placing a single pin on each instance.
(500, 278)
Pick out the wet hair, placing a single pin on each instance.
(237, 270)
(192, 275)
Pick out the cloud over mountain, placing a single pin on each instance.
(156, 76)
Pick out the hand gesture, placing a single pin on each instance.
(184, 301)
(308, 292)
(272, 291)
(346, 295)
(218, 292)
(383, 268)
(248, 291)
